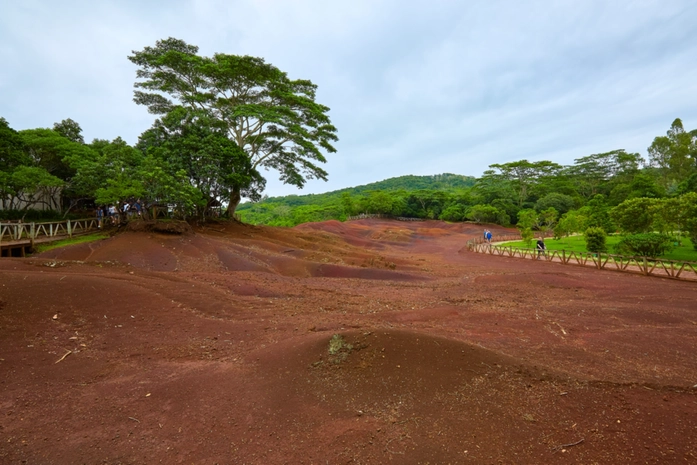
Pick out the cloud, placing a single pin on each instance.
(413, 87)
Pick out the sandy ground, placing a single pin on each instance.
(365, 342)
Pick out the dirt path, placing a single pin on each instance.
(215, 348)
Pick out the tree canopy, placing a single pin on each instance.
(273, 119)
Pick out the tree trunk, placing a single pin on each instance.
(234, 201)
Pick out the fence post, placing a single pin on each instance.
(70, 230)
(646, 267)
(32, 232)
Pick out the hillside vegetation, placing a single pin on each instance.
(417, 194)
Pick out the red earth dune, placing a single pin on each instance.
(364, 342)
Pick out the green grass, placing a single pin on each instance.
(684, 252)
(75, 240)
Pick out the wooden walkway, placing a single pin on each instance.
(18, 239)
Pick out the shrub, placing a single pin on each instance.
(645, 245)
(527, 235)
(483, 213)
(453, 213)
(595, 239)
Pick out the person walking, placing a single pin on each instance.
(541, 248)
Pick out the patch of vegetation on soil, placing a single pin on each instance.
(72, 241)
(339, 349)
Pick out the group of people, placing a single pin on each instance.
(113, 212)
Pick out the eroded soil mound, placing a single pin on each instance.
(361, 342)
(162, 227)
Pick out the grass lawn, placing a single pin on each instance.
(685, 252)
(75, 240)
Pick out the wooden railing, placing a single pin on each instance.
(640, 265)
(16, 232)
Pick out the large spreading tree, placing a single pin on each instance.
(274, 120)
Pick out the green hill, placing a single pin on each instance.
(291, 210)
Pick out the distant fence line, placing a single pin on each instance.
(638, 265)
(364, 216)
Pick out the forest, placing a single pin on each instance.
(220, 120)
(651, 201)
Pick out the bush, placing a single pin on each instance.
(483, 213)
(527, 236)
(645, 245)
(453, 213)
(595, 240)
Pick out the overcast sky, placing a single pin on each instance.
(414, 87)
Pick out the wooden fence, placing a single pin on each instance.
(640, 265)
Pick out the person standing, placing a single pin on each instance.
(488, 236)
(100, 216)
(541, 247)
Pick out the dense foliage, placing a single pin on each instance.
(645, 245)
(274, 121)
(222, 118)
(596, 239)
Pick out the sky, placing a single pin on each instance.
(414, 87)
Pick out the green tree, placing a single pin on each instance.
(688, 185)
(645, 245)
(688, 207)
(453, 213)
(12, 149)
(527, 218)
(347, 204)
(379, 202)
(483, 213)
(214, 164)
(596, 240)
(70, 130)
(598, 214)
(12, 155)
(560, 202)
(635, 215)
(675, 154)
(571, 222)
(521, 175)
(31, 186)
(273, 119)
(49, 150)
(547, 219)
(592, 172)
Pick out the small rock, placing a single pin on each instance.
(55, 317)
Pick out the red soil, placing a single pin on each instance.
(214, 348)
